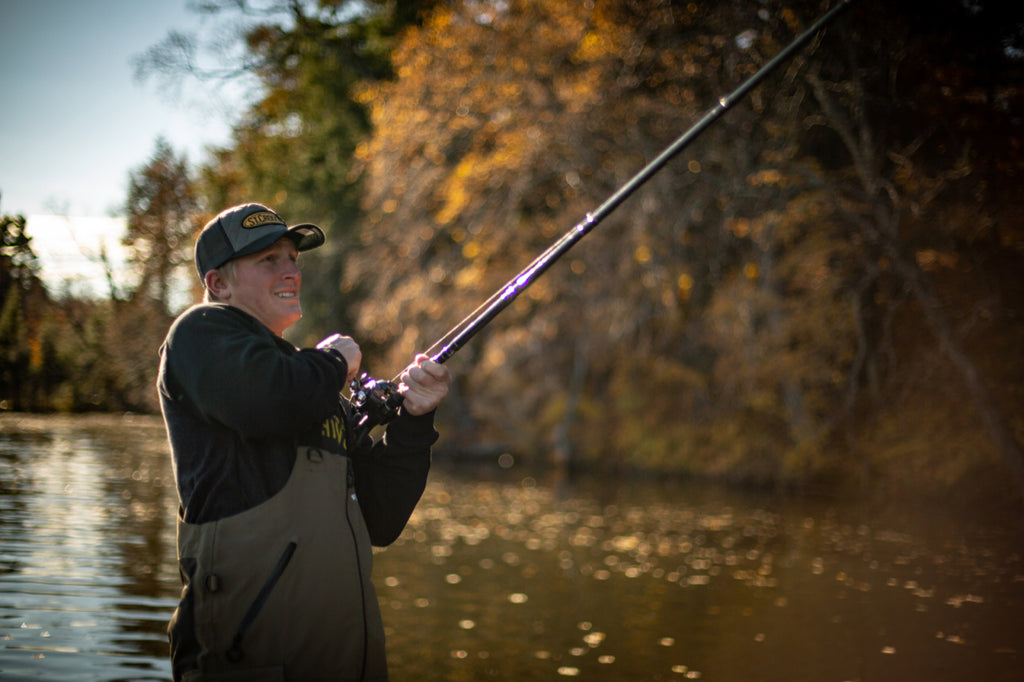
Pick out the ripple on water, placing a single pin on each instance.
(663, 579)
(518, 580)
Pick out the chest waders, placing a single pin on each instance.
(282, 591)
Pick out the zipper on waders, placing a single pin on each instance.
(235, 653)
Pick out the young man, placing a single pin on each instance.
(279, 502)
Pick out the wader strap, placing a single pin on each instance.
(235, 653)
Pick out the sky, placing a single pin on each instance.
(74, 121)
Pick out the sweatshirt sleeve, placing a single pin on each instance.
(237, 373)
(392, 474)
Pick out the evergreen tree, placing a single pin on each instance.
(22, 301)
(163, 217)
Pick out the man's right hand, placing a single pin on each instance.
(348, 348)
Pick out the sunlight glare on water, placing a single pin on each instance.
(659, 583)
(501, 576)
(74, 605)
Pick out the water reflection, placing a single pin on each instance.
(655, 582)
(513, 579)
(86, 550)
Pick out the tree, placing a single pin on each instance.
(923, 130)
(293, 144)
(729, 320)
(163, 213)
(755, 312)
(504, 127)
(22, 309)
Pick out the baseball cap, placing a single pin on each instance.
(248, 228)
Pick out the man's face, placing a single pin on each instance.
(266, 285)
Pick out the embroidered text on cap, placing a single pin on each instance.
(261, 218)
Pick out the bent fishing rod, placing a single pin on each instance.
(376, 402)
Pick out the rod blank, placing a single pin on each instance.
(501, 299)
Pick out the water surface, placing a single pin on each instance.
(502, 576)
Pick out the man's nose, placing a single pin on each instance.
(291, 270)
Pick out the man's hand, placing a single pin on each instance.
(348, 349)
(423, 385)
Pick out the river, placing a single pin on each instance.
(502, 575)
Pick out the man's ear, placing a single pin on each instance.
(217, 285)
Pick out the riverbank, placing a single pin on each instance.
(893, 479)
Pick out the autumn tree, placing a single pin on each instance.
(925, 127)
(294, 141)
(730, 320)
(822, 280)
(505, 126)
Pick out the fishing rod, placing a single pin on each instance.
(376, 402)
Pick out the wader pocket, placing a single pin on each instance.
(235, 653)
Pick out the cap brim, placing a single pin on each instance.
(304, 236)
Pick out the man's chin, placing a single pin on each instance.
(290, 317)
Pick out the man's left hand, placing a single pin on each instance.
(423, 385)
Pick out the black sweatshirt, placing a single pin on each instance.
(238, 400)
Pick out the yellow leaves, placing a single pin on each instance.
(470, 278)
(642, 254)
(747, 228)
(931, 260)
(580, 92)
(35, 347)
(592, 47)
(366, 92)
(769, 176)
(361, 152)
(467, 181)
(684, 286)
(740, 227)
(456, 192)
(456, 200)
(790, 18)
(509, 90)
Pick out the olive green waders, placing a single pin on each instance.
(281, 591)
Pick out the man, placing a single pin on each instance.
(280, 500)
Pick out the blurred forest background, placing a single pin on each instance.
(825, 290)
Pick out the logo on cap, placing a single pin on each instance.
(261, 218)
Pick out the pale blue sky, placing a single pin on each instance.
(73, 121)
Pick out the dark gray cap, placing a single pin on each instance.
(248, 228)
